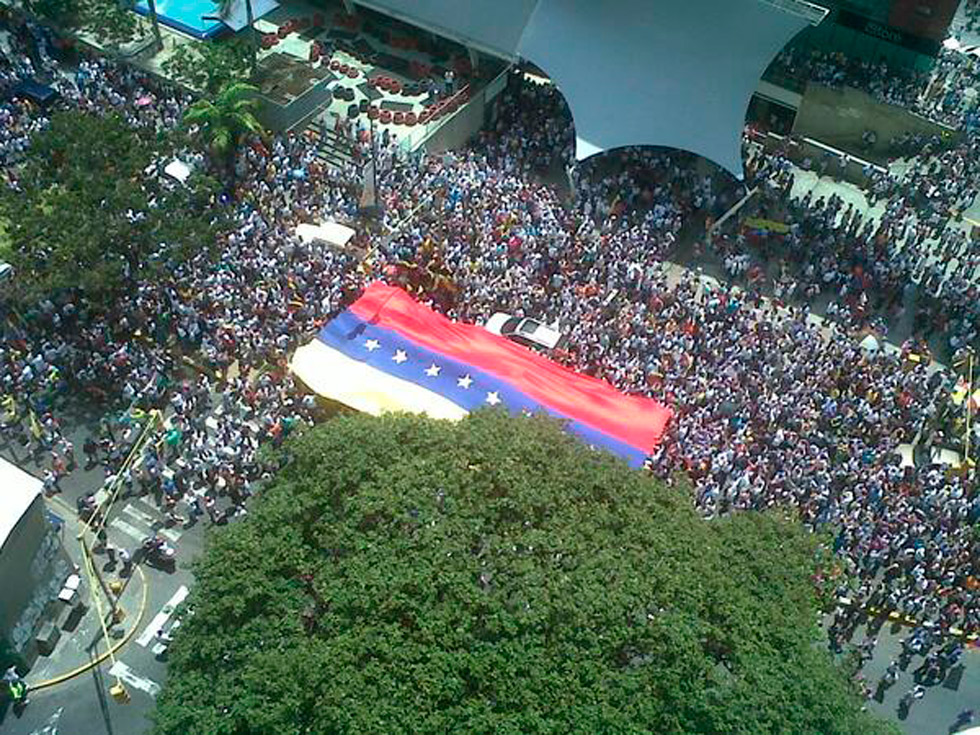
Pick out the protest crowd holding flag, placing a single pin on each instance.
(765, 408)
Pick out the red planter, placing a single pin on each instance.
(385, 117)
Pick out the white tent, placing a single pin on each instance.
(946, 457)
(907, 453)
(677, 73)
(870, 343)
(178, 170)
(332, 234)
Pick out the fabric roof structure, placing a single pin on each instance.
(675, 73)
(19, 491)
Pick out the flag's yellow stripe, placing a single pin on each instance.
(356, 384)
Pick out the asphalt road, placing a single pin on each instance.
(82, 706)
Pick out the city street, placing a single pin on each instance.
(82, 704)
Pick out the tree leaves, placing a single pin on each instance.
(87, 214)
(210, 66)
(408, 575)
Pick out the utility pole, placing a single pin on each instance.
(92, 571)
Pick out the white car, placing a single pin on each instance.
(524, 330)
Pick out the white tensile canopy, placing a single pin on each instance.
(676, 73)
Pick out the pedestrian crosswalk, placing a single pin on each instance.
(142, 683)
(138, 520)
(161, 618)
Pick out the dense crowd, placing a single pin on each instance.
(939, 94)
(971, 15)
(770, 406)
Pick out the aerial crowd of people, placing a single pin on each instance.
(772, 406)
(941, 93)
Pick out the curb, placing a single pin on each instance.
(897, 617)
(61, 678)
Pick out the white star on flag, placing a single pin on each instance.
(400, 356)
(492, 398)
(433, 370)
(465, 382)
(372, 345)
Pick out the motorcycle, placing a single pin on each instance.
(159, 554)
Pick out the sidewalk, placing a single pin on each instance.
(82, 645)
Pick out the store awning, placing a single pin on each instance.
(19, 491)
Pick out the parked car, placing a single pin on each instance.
(524, 330)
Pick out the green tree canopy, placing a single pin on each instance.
(408, 576)
(210, 65)
(87, 213)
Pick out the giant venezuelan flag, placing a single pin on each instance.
(387, 352)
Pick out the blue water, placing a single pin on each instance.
(185, 16)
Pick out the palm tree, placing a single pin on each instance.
(226, 119)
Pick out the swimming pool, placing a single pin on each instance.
(186, 16)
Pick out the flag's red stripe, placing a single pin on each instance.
(634, 420)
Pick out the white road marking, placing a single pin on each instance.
(122, 671)
(51, 726)
(161, 618)
(130, 530)
(172, 535)
(134, 512)
(144, 519)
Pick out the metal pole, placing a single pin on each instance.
(93, 571)
(969, 413)
(374, 164)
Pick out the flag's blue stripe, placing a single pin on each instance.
(349, 334)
